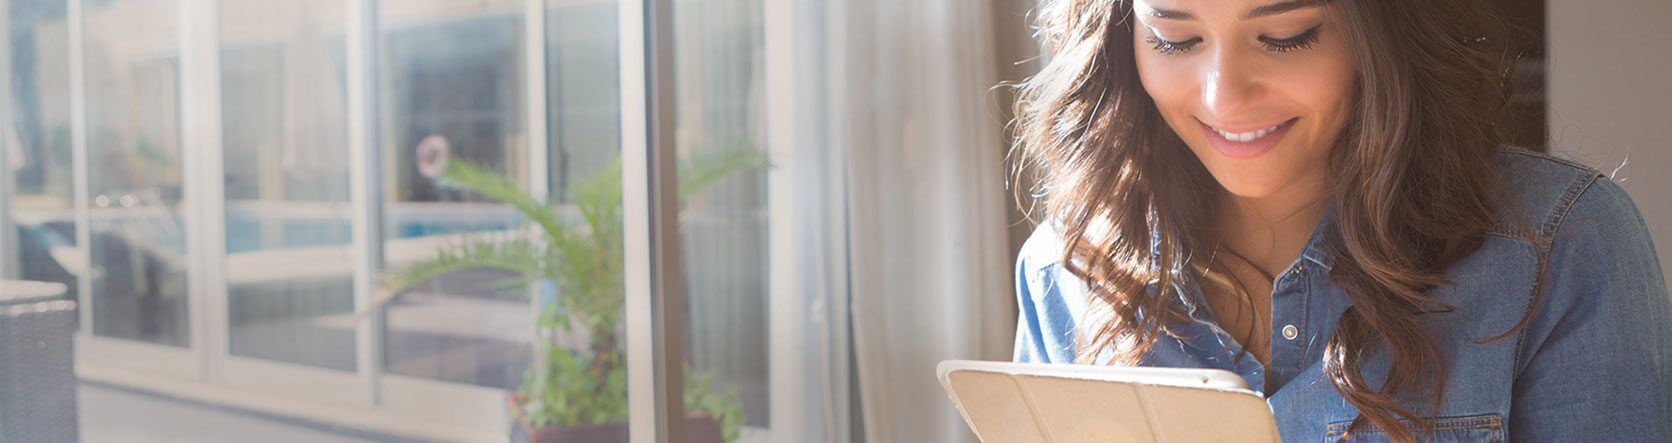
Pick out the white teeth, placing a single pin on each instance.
(1244, 137)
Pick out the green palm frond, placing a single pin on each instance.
(585, 260)
(512, 252)
(483, 181)
(598, 197)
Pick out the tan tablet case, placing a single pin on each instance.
(1004, 406)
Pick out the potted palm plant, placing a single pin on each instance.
(575, 256)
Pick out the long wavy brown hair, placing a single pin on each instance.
(1413, 173)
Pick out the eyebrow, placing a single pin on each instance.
(1262, 11)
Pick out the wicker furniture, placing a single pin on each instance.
(37, 373)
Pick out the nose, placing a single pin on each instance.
(1229, 88)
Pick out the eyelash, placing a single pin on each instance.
(1303, 41)
(1171, 47)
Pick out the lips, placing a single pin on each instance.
(1247, 143)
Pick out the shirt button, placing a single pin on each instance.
(1290, 332)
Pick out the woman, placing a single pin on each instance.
(1312, 194)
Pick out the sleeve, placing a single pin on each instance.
(1596, 359)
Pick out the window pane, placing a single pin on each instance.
(133, 143)
(285, 142)
(39, 155)
(720, 82)
(452, 91)
(583, 79)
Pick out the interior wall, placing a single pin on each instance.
(1610, 102)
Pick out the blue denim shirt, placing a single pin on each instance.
(1594, 363)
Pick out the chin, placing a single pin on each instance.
(1249, 190)
(1250, 181)
(1257, 178)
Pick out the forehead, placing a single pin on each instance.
(1196, 9)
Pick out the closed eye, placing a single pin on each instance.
(1171, 47)
(1304, 40)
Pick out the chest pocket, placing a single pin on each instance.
(1473, 428)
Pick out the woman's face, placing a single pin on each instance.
(1259, 89)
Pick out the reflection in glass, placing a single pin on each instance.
(38, 151)
(718, 69)
(452, 88)
(285, 141)
(133, 142)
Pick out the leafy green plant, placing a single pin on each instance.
(580, 250)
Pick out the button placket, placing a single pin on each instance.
(1297, 282)
(1288, 323)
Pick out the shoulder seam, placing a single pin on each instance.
(1574, 191)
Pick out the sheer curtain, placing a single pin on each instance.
(930, 254)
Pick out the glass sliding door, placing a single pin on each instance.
(221, 223)
(251, 181)
(581, 76)
(285, 146)
(452, 85)
(38, 157)
(138, 248)
(583, 92)
(719, 70)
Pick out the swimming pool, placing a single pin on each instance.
(259, 229)
(251, 231)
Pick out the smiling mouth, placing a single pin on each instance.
(1245, 137)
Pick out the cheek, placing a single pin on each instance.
(1324, 86)
(1170, 83)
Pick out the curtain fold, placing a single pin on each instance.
(929, 247)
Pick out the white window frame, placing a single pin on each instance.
(206, 370)
(807, 252)
(654, 283)
(9, 249)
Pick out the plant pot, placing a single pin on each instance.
(699, 428)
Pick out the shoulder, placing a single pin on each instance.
(1051, 301)
(1587, 230)
(1539, 191)
(1043, 249)
(1041, 278)
(1562, 201)
(1598, 276)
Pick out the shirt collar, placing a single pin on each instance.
(1315, 249)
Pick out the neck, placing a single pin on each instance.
(1270, 231)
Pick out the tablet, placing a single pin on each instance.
(1007, 402)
